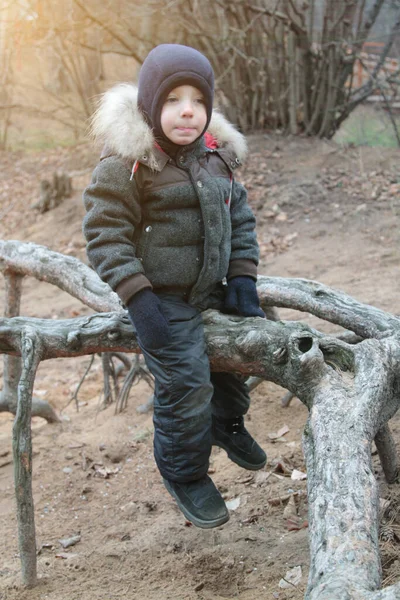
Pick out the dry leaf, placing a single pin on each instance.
(253, 518)
(290, 509)
(247, 479)
(261, 477)
(295, 523)
(282, 431)
(279, 466)
(292, 444)
(45, 546)
(292, 578)
(66, 555)
(233, 504)
(281, 499)
(105, 472)
(298, 475)
(67, 542)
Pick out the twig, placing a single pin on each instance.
(108, 373)
(75, 394)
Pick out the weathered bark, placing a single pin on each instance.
(69, 274)
(345, 413)
(12, 364)
(331, 377)
(66, 272)
(22, 454)
(328, 304)
(108, 373)
(386, 448)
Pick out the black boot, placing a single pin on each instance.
(200, 502)
(242, 449)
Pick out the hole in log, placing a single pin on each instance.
(319, 293)
(305, 344)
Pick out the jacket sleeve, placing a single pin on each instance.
(244, 247)
(113, 214)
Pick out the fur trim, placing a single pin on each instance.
(120, 125)
(227, 135)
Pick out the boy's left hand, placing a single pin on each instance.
(241, 297)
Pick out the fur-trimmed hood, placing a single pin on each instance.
(120, 125)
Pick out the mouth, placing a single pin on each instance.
(186, 129)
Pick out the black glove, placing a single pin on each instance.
(241, 297)
(145, 312)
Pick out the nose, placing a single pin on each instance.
(187, 109)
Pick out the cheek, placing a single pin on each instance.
(203, 118)
(166, 119)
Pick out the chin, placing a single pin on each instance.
(184, 141)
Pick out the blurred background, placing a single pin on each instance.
(299, 66)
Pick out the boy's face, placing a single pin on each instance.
(183, 115)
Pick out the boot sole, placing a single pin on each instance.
(192, 518)
(239, 461)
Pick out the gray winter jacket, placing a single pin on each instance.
(178, 224)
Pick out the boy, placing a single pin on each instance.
(165, 225)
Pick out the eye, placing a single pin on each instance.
(200, 101)
(171, 99)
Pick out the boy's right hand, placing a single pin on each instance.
(145, 312)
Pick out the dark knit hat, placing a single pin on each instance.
(166, 67)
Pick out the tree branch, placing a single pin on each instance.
(328, 304)
(66, 272)
(109, 30)
(78, 280)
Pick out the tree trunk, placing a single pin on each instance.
(345, 413)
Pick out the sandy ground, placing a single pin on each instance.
(324, 213)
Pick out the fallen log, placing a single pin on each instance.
(329, 376)
(350, 387)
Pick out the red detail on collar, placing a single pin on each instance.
(210, 141)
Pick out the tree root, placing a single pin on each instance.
(40, 408)
(387, 452)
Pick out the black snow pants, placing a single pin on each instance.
(187, 394)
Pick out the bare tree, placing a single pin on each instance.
(6, 76)
(279, 64)
(287, 64)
